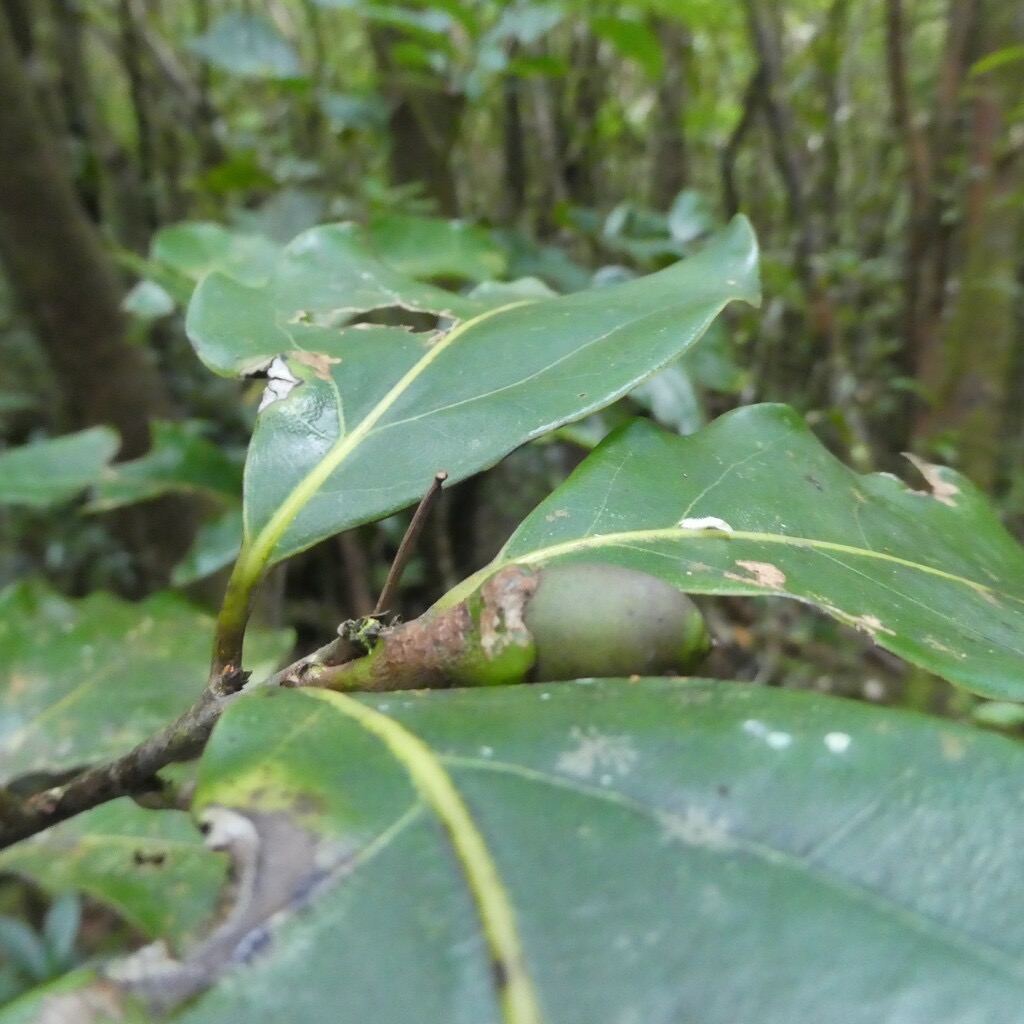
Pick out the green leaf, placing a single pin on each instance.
(24, 948)
(249, 46)
(371, 414)
(997, 59)
(999, 714)
(426, 247)
(215, 547)
(323, 277)
(48, 473)
(664, 851)
(181, 460)
(670, 398)
(149, 301)
(149, 866)
(361, 112)
(931, 575)
(60, 929)
(81, 996)
(82, 681)
(634, 40)
(690, 216)
(528, 258)
(521, 23)
(197, 248)
(712, 364)
(525, 23)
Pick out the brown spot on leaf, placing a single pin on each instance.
(869, 624)
(499, 974)
(952, 747)
(18, 684)
(155, 858)
(761, 574)
(276, 867)
(316, 361)
(941, 490)
(93, 1004)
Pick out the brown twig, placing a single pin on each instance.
(750, 105)
(405, 549)
(135, 772)
(131, 774)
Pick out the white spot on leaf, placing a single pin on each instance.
(837, 742)
(280, 381)
(775, 739)
(597, 752)
(705, 523)
(696, 827)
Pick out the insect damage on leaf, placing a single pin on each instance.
(597, 752)
(280, 381)
(696, 826)
(866, 623)
(277, 866)
(941, 490)
(761, 574)
(316, 361)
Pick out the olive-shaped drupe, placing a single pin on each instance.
(589, 619)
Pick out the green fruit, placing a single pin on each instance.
(605, 620)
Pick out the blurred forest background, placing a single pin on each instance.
(877, 146)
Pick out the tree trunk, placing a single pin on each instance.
(426, 118)
(930, 156)
(670, 164)
(970, 381)
(66, 285)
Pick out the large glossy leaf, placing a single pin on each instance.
(656, 851)
(150, 866)
(82, 681)
(373, 413)
(929, 574)
(52, 472)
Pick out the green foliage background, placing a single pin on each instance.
(521, 243)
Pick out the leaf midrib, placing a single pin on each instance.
(676, 534)
(258, 553)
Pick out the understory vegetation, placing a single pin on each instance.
(459, 462)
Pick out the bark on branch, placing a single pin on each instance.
(482, 641)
